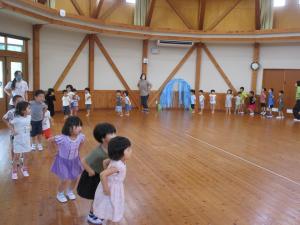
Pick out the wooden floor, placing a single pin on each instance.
(185, 170)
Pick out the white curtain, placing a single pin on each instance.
(140, 12)
(266, 14)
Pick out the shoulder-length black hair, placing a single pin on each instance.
(143, 74)
(117, 146)
(21, 108)
(72, 121)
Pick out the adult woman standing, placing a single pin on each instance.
(144, 87)
(17, 86)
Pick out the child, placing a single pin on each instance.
(270, 102)
(228, 101)
(66, 102)
(296, 109)
(93, 166)
(201, 101)
(70, 93)
(109, 197)
(50, 99)
(38, 108)
(243, 98)
(74, 103)
(280, 105)
(252, 104)
(8, 117)
(20, 127)
(67, 165)
(212, 101)
(263, 97)
(88, 101)
(127, 103)
(119, 103)
(47, 122)
(193, 100)
(237, 103)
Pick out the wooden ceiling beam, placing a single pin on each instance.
(223, 15)
(77, 7)
(178, 13)
(115, 69)
(150, 13)
(110, 10)
(201, 14)
(98, 10)
(218, 67)
(173, 73)
(71, 62)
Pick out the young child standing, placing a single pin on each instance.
(193, 100)
(263, 103)
(93, 165)
(243, 98)
(270, 102)
(38, 108)
(280, 105)
(109, 198)
(88, 101)
(119, 100)
(75, 103)
(127, 103)
(228, 101)
(201, 101)
(50, 99)
(252, 103)
(67, 165)
(212, 100)
(237, 103)
(70, 93)
(47, 122)
(66, 102)
(20, 128)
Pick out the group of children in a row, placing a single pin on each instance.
(122, 98)
(267, 102)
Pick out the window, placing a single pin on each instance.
(279, 3)
(130, 1)
(15, 66)
(1, 79)
(11, 44)
(2, 43)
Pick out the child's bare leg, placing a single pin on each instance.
(25, 160)
(72, 184)
(62, 185)
(39, 138)
(15, 162)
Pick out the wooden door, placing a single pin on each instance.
(274, 78)
(290, 78)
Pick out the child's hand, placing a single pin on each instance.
(106, 191)
(91, 173)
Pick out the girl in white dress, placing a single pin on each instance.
(20, 127)
(212, 100)
(109, 197)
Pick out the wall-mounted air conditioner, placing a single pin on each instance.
(170, 43)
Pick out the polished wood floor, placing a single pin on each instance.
(186, 170)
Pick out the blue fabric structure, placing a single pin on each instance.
(184, 94)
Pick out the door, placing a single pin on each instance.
(274, 79)
(290, 78)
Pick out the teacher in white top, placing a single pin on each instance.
(16, 87)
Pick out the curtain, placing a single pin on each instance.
(140, 12)
(266, 14)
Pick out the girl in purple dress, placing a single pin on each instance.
(67, 165)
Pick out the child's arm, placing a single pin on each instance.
(106, 173)
(52, 144)
(106, 163)
(86, 166)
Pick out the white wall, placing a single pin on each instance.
(57, 47)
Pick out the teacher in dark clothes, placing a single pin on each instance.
(145, 88)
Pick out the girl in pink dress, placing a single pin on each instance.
(109, 196)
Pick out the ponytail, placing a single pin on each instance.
(13, 84)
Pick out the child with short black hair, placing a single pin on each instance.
(47, 122)
(67, 165)
(252, 103)
(93, 165)
(109, 197)
(50, 99)
(280, 105)
(237, 108)
(193, 101)
(20, 128)
(212, 100)
(75, 103)
(119, 100)
(127, 103)
(8, 117)
(228, 101)
(88, 101)
(66, 103)
(38, 108)
(244, 95)
(201, 101)
(270, 103)
(263, 103)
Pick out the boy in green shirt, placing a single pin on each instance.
(244, 95)
(296, 109)
(93, 165)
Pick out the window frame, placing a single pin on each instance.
(6, 36)
(280, 6)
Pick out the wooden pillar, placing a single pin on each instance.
(145, 56)
(36, 55)
(255, 73)
(91, 61)
(197, 76)
(257, 15)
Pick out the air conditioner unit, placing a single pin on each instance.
(170, 43)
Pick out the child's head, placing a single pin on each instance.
(126, 93)
(118, 93)
(264, 89)
(229, 91)
(69, 88)
(271, 90)
(212, 91)
(298, 83)
(201, 92)
(16, 99)
(119, 148)
(104, 132)
(72, 126)
(65, 92)
(39, 96)
(242, 89)
(74, 91)
(143, 76)
(192, 92)
(251, 93)
(22, 109)
(87, 90)
(50, 91)
(281, 92)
